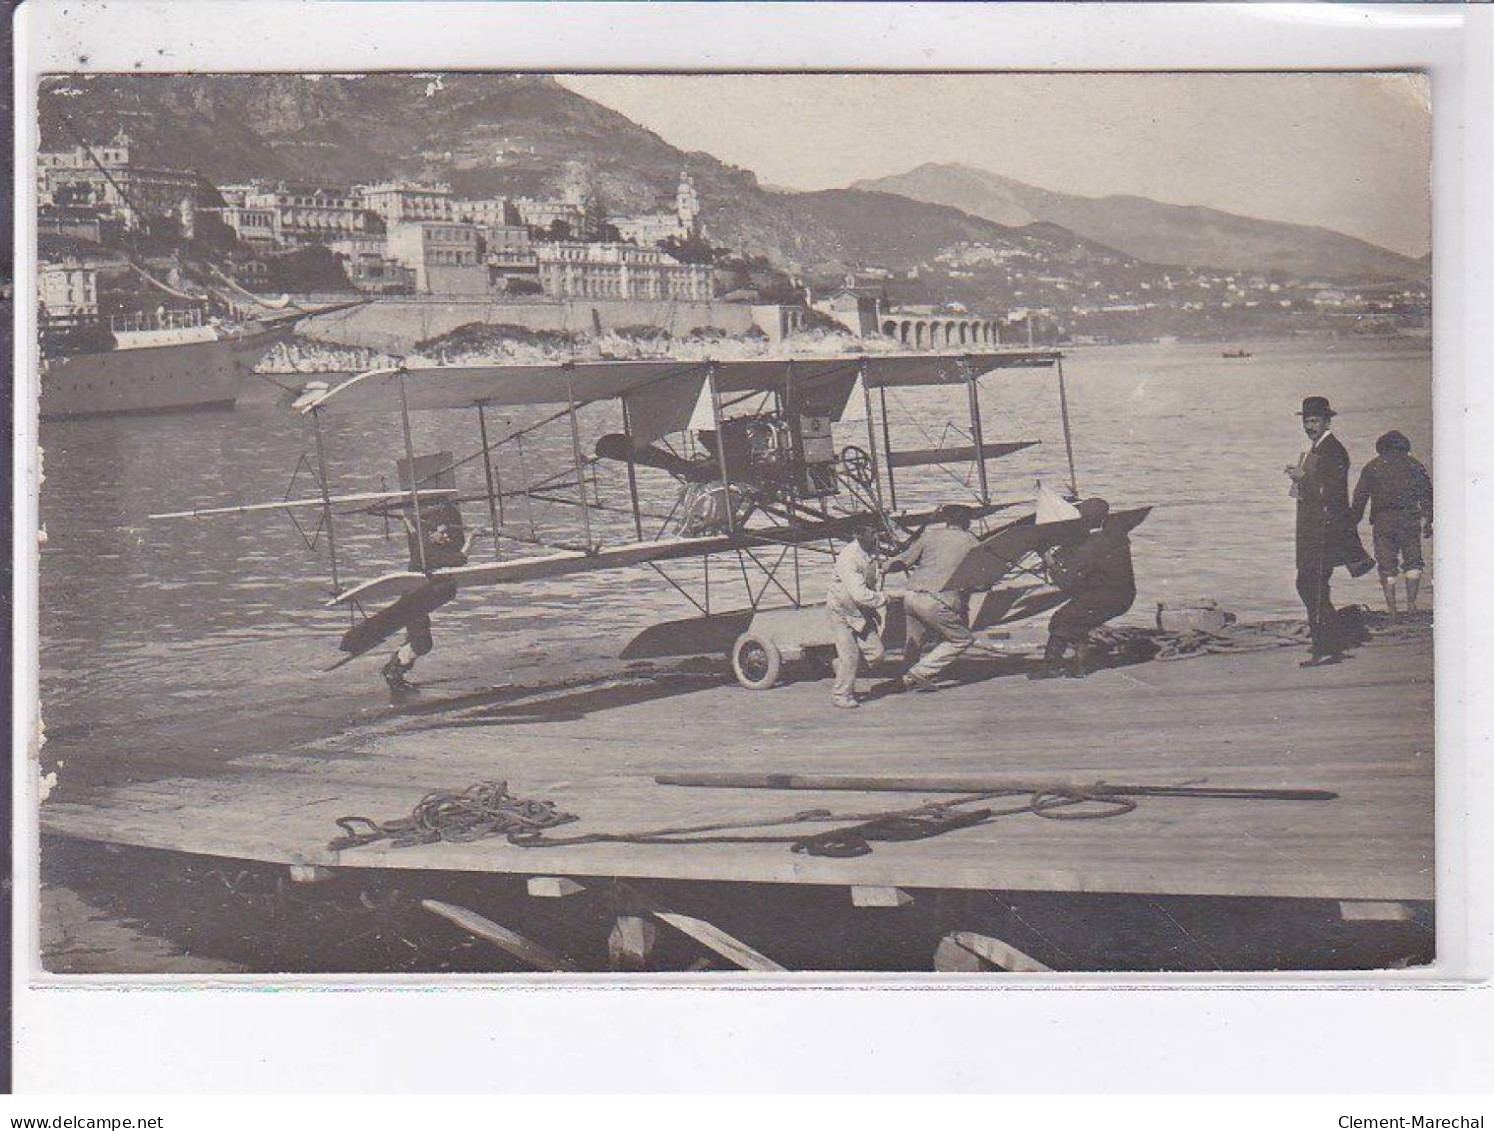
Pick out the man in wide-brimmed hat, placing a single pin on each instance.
(934, 610)
(1097, 577)
(1398, 491)
(1326, 534)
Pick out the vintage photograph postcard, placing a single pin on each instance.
(527, 523)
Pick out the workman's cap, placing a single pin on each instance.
(1392, 441)
(1316, 406)
(955, 512)
(1093, 511)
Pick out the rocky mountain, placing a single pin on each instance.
(1155, 232)
(502, 134)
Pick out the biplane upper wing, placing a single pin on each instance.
(823, 384)
(894, 370)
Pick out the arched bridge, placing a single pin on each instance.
(940, 331)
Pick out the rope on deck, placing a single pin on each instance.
(1358, 623)
(486, 809)
(481, 810)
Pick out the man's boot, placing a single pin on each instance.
(1052, 661)
(394, 671)
(1388, 584)
(1413, 584)
(1080, 667)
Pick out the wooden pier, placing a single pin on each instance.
(1362, 730)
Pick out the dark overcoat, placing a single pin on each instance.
(1326, 531)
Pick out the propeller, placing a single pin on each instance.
(616, 446)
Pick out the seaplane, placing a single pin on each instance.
(746, 448)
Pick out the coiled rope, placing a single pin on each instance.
(481, 810)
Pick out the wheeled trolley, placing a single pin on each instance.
(776, 637)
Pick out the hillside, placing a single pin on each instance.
(1154, 232)
(495, 135)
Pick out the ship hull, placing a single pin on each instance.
(176, 377)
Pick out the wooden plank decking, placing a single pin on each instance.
(1362, 729)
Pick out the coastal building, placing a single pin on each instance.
(858, 309)
(651, 229)
(496, 211)
(372, 273)
(253, 226)
(105, 178)
(370, 268)
(235, 194)
(445, 257)
(295, 214)
(778, 321)
(542, 215)
(400, 202)
(68, 291)
(510, 257)
(618, 270)
(70, 222)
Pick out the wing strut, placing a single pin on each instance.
(632, 472)
(321, 463)
(887, 447)
(495, 495)
(871, 432)
(1068, 439)
(731, 518)
(570, 399)
(972, 382)
(404, 415)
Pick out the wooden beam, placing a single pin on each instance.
(630, 946)
(992, 953)
(866, 896)
(951, 958)
(714, 938)
(553, 887)
(511, 942)
(1373, 911)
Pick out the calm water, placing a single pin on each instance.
(167, 645)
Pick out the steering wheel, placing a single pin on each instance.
(857, 464)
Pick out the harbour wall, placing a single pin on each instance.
(395, 325)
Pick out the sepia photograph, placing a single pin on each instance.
(964, 524)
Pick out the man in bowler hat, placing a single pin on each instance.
(1326, 534)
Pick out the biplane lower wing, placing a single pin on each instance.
(989, 562)
(539, 566)
(965, 453)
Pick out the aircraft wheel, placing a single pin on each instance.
(756, 662)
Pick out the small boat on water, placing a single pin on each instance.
(1237, 354)
(172, 362)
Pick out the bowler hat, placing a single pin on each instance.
(1316, 406)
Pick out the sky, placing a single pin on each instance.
(1350, 152)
